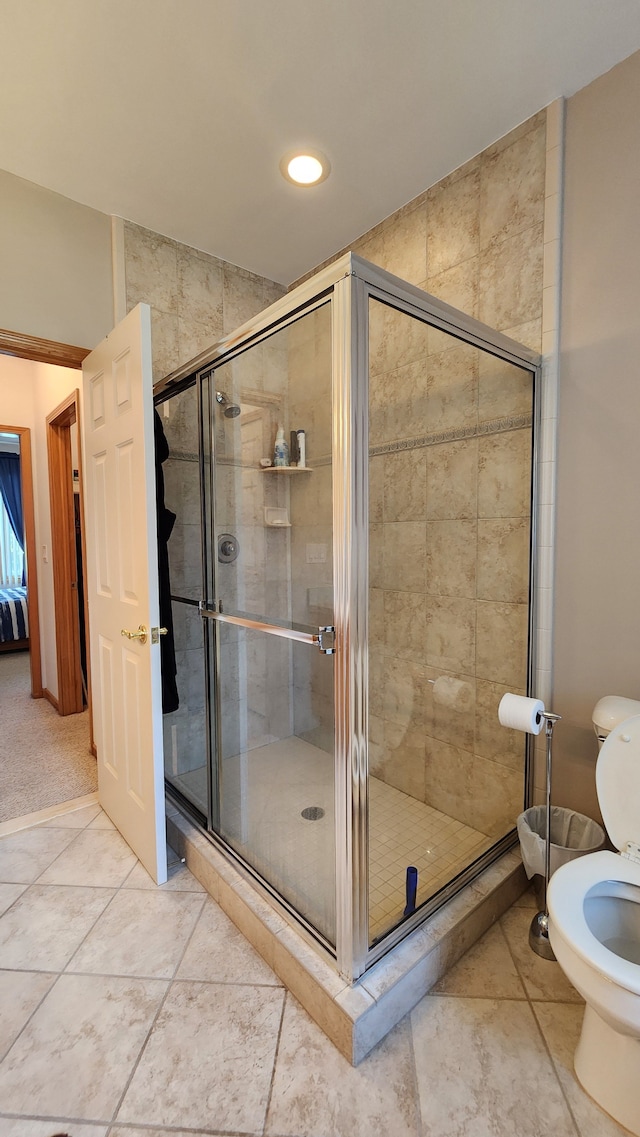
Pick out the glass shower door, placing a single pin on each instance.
(270, 615)
(450, 462)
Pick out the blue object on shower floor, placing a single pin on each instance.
(412, 888)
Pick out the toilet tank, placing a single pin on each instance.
(609, 711)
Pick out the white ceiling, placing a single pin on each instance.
(175, 113)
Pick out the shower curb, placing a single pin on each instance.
(354, 1017)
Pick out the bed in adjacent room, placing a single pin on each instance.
(14, 620)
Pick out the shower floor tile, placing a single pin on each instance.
(264, 794)
(403, 832)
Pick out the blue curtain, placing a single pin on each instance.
(11, 491)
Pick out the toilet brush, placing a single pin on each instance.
(539, 930)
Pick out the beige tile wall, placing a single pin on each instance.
(311, 511)
(475, 239)
(256, 704)
(195, 298)
(449, 541)
(450, 521)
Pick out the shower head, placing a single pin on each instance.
(231, 410)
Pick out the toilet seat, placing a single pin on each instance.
(618, 783)
(568, 888)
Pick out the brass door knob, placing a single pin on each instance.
(141, 634)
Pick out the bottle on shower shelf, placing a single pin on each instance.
(281, 449)
(302, 448)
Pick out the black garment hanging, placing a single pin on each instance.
(166, 521)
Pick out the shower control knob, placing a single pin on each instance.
(228, 548)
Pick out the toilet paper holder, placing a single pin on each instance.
(539, 930)
(529, 715)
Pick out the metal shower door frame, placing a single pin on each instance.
(352, 294)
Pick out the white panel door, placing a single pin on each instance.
(122, 585)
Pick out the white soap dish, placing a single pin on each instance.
(276, 517)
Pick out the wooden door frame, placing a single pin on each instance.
(29, 526)
(41, 351)
(63, 554)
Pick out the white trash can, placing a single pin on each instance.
(572, 835)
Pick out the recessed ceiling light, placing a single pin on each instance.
(305, 168)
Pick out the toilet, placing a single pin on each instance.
(594, 922)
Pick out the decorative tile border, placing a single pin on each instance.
(436, 438)
(459, 434)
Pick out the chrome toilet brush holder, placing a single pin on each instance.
(539, 930)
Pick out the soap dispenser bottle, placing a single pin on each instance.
(281, 449)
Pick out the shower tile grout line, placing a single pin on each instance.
(126, 1125)
(414, 1070)
(275, 1060)
(158, 979)
(558, 1079)
(37, 970)
(63, 971)
(113, 1124)
(545, 1044)
(158, 1011)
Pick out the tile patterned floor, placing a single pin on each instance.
(128, 1010)
(271, 785)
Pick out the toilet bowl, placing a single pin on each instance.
(594, 929)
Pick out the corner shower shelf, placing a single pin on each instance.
(286, 469)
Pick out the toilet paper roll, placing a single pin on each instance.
(453, 693)
(520, 713)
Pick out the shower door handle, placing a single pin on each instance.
(326, 648)
(297, 634)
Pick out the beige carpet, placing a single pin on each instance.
(44, 758)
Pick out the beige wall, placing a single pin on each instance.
(55, 283)
(55, 265)
(28, 393)
(597, 610)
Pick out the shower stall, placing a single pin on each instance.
(345, 629)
